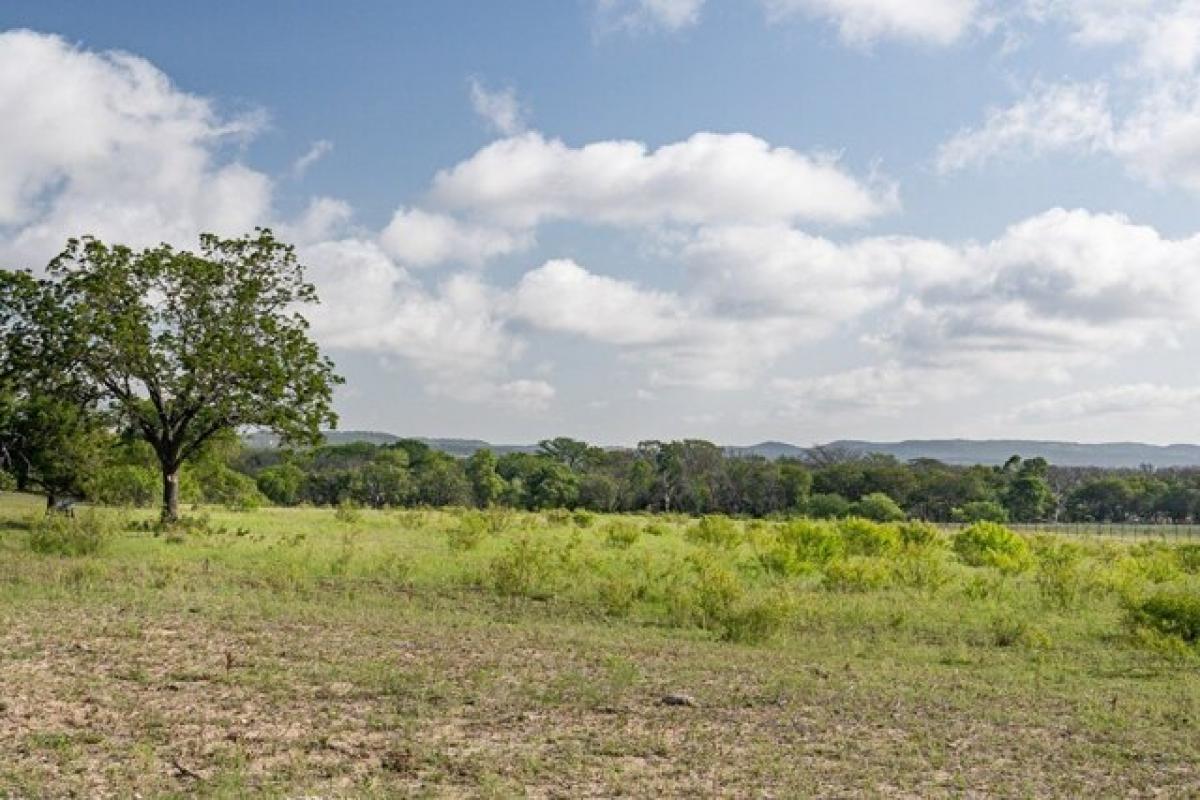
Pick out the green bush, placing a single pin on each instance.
(621, 533)
(347, 511)
(813, 542)
(583, 519)
(827, 506)
(1188, 556)
(126, 485)
(1059, 571)
(863, 537)
(756, 619)
(526, 568)
(85, 534)
(857, 574)
(468, 531)
(920, 535)
(980, 511)
(1173, 611)
(989, 544)
(715, 530)
(925, 570)
(879, 507)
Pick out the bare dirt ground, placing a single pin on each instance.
(376, 696)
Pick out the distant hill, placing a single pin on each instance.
(1062, 454)
(950, 451)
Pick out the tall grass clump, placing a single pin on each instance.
(989, 544)
(715, 530)
(1172, 611)
(85, 534)
(862, 537)
(813, 542)
(468, 531)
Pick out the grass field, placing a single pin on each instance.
(308, 652)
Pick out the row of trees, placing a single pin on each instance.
(698, 477)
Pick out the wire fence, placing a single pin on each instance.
(1120, 530)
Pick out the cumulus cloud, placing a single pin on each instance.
(562, 296)
(1056, 291)
(886, 389)
(424, 239)
(525, 180)
(669, 15)
(104, 143)
(1136, 398)
(500, 109)
(862, 22)
(454, 335)
(1165, 34)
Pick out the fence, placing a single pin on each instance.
(1120, 530)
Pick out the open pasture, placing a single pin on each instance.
(321, 652)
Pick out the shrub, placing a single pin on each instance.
(524, 569)
(85, 534)
(756, 619)
(1009, 630)
(715, 530)
(1188, 556)
(813, 542)
(125, 485)
(1059, 575)
(879, 507)
(980, 511)
(657, 529)
(468, 532)
(857, 574)
(621, 533)
(926, 570)
(773, 554)
(988, 544)
(827, 506)
(558, 516)
(919, 535)
(1173, 611)
(865, 538)
(347, 511)
(583, 519)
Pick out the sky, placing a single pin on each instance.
(617, 220)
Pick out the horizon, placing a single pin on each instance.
(789, 220)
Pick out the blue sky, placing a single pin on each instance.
(624, 219)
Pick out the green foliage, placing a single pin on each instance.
(920, 535)
(980, 511)
(1059, 573)
(992, 545)
(468, 531)
(827, 506)
(525, 568)
(715, 530)
(85, 534)
(621, 533)
(879, 507)
(1171, 610)
(214, 340)
(813, 542)
(348, 512)
(865, 538)
(857, 574)
(125, 485)
(924, 569)
(282, 483)
(583, 519)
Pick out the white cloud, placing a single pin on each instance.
(103, 143)
(1057, 291)
(318, 150)
(886, 389)
(562, 296)
(423, 239)
(862, 22)
(1051, 118)
(1164, 33)
(670, 15)
(1138, 398)
(454, 335)
(525, 180)
(500, 109)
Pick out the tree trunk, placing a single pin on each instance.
(170, 504)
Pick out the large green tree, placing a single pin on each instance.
(182, 345)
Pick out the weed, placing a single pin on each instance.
(715, 530)
(993, 545)
(85, 534)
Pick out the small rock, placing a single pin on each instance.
(679, 700)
